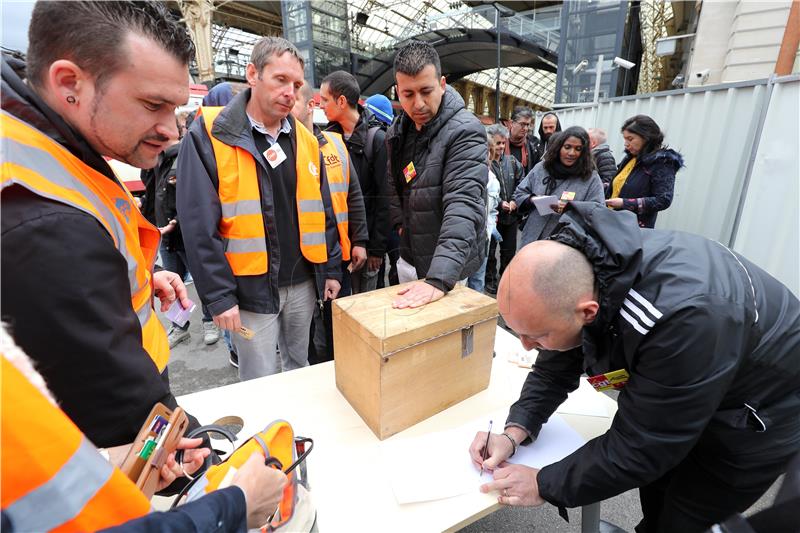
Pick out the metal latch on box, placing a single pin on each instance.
(467, 338)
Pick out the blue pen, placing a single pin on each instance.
(486, 446)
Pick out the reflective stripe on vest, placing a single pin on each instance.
(34, 161)
(242, 224)
(51, 476)
(337, 168)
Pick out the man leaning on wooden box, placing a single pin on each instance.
(437, 164)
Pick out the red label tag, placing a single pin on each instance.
(610, 380)
(410, 172)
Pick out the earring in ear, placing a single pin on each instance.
(71, 99)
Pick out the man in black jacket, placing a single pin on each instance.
(66, 290)
(437, 160)
(603, 156)
(338, 95)
(548, 126)
(703, 345)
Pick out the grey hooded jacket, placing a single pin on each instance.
(442, 211)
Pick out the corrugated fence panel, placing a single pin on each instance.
(713, 130)
(769, 230)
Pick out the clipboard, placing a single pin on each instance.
(158, 437)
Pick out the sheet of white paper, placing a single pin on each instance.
(584, 401)
(543, 204)
(452, 473)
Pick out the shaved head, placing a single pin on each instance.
(547, 295)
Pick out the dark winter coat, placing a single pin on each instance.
(605, 163)
(509, 173)
(700, 330)
(371, 171)
(161, 193)
(650, 185)
(442, 211)
(66, 296)
(200, 210)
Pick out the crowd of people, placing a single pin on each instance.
(275, 217)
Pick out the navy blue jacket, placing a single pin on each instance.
(649, 186)
(220, 511)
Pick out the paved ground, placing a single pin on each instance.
(194, 367)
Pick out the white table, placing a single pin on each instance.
(344, 469)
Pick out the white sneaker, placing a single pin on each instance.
(175, 336)
(210, 333)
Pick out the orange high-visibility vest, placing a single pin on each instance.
(35, 161)
(242, 224)
(51, 477)
(337, 168)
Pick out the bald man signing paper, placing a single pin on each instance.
(703, 346)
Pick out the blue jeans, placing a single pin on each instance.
(476, 281)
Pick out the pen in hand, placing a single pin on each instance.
(486, 446)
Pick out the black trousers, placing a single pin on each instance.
(719, 478)
(507, 250)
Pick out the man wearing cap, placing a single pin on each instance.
(381, 108)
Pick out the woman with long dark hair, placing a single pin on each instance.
(645, 178)
(566, 172)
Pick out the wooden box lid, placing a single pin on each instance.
(370, 317)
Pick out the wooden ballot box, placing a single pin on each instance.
(397, 367)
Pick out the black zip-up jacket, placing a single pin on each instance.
(66, 295)
(443, 209)
(200, 211)
(372, 177)
(160, 197)
(605, 163)
(509, 173)
(701, 331)
(356, 215)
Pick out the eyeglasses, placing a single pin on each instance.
(523, 125)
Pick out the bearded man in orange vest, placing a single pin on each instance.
(260, 232)
(77, 256)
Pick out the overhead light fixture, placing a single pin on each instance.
(361, 18)
(666, 46)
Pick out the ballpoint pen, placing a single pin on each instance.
(486, 446)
